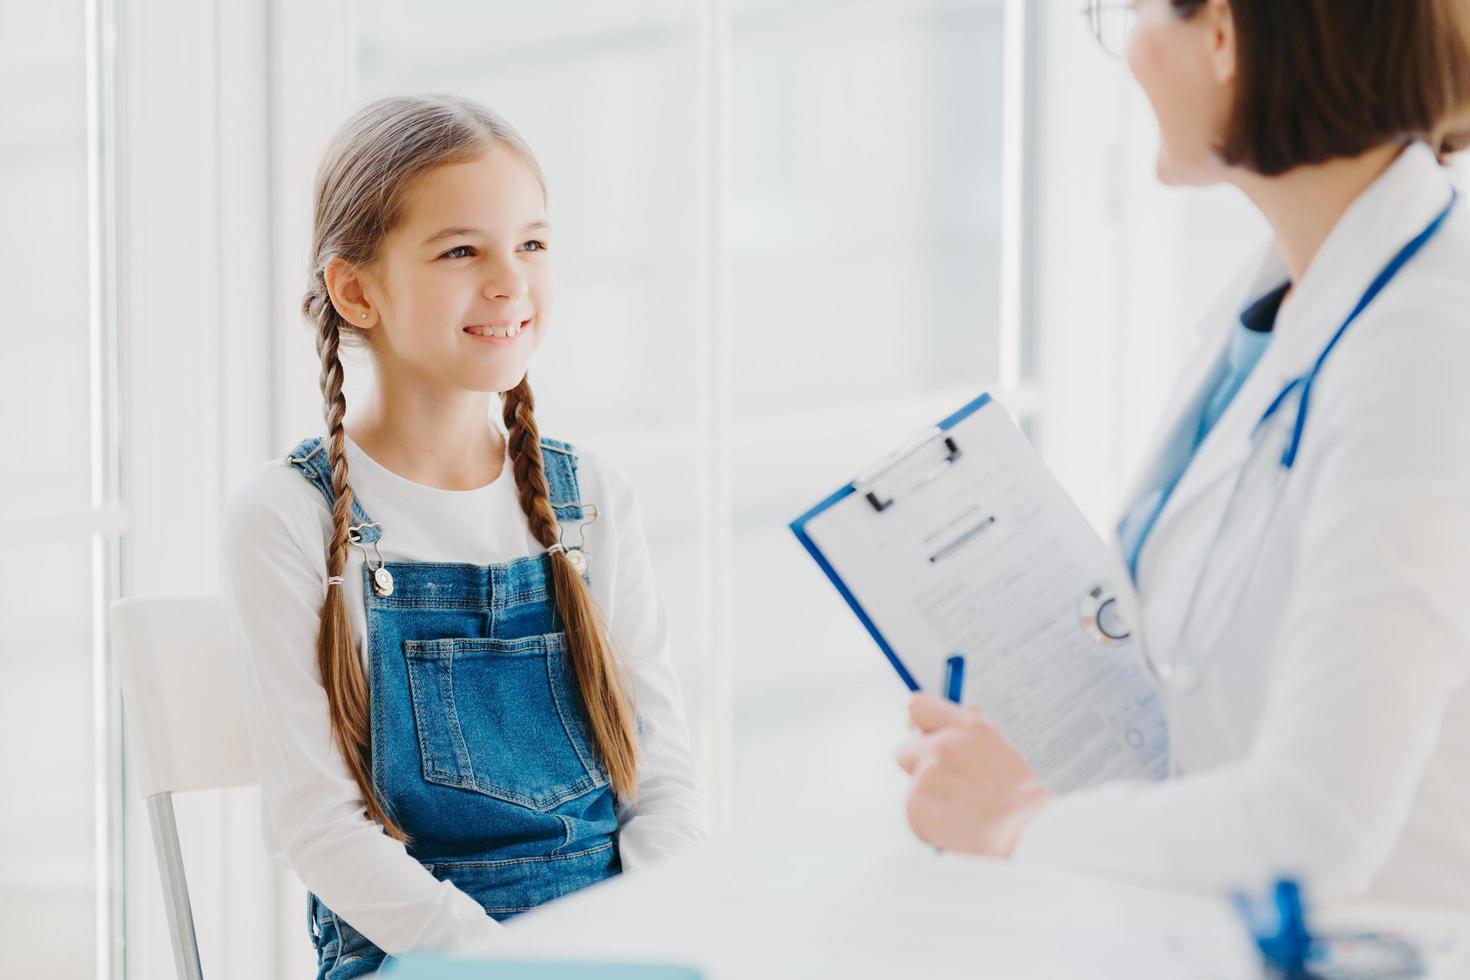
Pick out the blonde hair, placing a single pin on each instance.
(360, 190)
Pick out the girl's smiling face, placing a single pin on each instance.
(462, 286)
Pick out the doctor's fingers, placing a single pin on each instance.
(927, 713)
(944, 747)
(912, 751)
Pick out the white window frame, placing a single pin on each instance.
(192, 408)
(104, 520)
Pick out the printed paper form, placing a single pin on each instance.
(991, 559)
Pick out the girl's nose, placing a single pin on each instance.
(504, 280)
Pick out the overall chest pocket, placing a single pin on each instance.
(503, 718)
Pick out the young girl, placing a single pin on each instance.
(434, 609)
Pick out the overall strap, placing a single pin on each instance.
(559, 459)
(311, 458)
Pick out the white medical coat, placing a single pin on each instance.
(1330, 737)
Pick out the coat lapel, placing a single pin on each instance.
(1200, 371)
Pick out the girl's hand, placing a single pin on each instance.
(971, 791)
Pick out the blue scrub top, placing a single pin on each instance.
(1252, 336)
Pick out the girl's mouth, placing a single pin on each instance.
(497, 333)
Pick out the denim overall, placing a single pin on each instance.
(481, 748)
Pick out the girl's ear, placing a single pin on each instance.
(347, 286)
(1221, 23)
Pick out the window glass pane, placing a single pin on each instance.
(603, 90)
(865, 251)
(863, 235)
(865, 214)
(43, 256)
(48, 887)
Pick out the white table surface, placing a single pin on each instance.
(770, 909)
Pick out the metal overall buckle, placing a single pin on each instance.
(382, 578)
(577, 553)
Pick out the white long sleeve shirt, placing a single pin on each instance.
(274, 537)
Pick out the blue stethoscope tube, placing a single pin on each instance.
(1288, 458)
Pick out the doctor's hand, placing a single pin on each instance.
(971, 790)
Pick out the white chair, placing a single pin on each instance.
(185, 708)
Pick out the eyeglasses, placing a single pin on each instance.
(1111, 22)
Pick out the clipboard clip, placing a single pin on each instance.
(926, 441)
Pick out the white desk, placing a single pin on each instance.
(753, 908)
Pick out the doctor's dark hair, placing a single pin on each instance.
(1321, 79)
(360, 192)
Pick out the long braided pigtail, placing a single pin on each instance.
(345, 682)
(608, 709)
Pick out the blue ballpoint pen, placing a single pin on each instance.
(954, 678)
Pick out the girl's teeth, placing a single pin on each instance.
(501, 332)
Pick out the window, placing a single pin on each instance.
(59, 516)
(779, 233)
(863, 241)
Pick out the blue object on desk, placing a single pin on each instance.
(436, 966)
(1279, 927)
(1278, 924)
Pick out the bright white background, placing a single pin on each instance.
(789, 233)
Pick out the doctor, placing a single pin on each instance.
(1299, 538)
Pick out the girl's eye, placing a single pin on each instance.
(534, 246)
(458, 248)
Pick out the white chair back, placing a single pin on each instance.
(183, 693)
(184, 700)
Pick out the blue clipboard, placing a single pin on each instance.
(937, 435)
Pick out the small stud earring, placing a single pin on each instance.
(363, 315)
